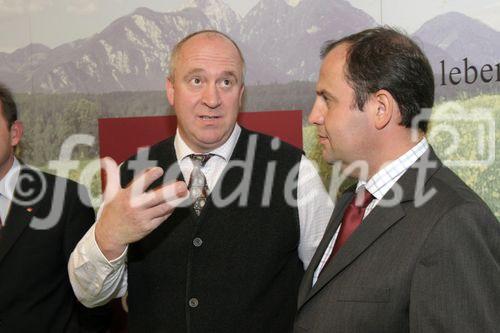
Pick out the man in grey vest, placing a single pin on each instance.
(410, 248)
(229, 261)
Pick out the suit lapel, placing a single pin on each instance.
(375, 224)
(332, 227)
(17, 220)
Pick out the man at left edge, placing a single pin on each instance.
(42, 217)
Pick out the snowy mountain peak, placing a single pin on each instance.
(293, 3)
(144, 11)
(221, 16)
(281, 40)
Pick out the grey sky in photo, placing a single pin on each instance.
(54, 22)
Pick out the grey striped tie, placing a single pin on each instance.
(197, 182)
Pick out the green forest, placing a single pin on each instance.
(50, 119)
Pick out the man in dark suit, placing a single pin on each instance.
(42, 217)
(410, 248)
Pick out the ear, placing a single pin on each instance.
(16, 132)
(170, 91)
(240, 103)
(384, 108)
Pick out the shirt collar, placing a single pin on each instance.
(225, 151)
(381, 182)
(8, 182)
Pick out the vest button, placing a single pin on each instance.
(193, 302)
(197, 242)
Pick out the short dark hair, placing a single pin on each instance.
(8, 105)
(384, 58)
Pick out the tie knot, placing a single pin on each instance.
(200, 159)
(363, 198)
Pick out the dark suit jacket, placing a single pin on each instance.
(45, 222)
(412, 267)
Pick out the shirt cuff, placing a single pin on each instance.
(95, 254)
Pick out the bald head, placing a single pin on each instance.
(202, 34)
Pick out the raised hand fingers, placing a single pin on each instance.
(159, 204)
(174, 194)
(143, 181)
(161, 211)
(112, 178)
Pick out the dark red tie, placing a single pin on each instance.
(352, 219)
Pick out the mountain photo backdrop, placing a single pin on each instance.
(120, 70)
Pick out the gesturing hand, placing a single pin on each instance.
(129, 214)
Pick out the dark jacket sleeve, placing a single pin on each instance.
(456, 284)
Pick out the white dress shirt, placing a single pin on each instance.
(96, 280)
(7, 187)
(378, 185)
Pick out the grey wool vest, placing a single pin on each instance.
(235, 268)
